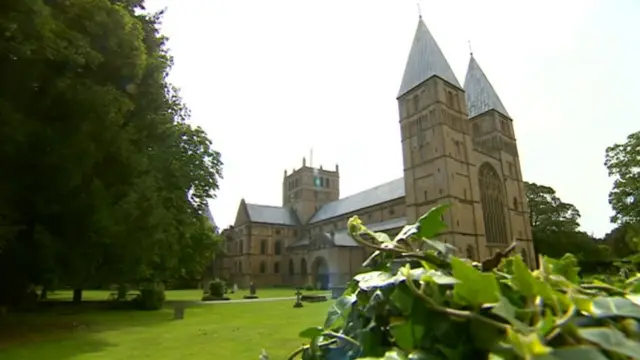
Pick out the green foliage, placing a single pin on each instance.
(151, 298)
(623, 162)
(109, 182)
(438, 306)
(216, 288)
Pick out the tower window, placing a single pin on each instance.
(416, 103)
(515, 203)
(263, 267)
(278, 247)
(263, 247)
(276, 267)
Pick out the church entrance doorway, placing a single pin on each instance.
(320, 273)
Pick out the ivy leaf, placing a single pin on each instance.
(382, 237)
(375, 279)
(402, 331)
(419, 355)
(507, 311)
(406, 232)
(403, 298)
(431, 224)
(339, 311)
(436, 276)
(389, 355)
(522, 278)
(474, 287)
(311, 333)
(440, 246)
(527, 345)
(605, 306)
(574, 353)
(612, 340)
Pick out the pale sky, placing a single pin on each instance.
(269, 80)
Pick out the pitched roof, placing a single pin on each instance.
(276, 215)
(376, 195)
(481, 96)
(342, 237)
(425, 61)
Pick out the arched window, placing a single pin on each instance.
(492, 198)
(241, 247)
(303, 267)
(278, 247)
(471, 253)
(291, 267)
(263, 267)
(515, 203)
(240, 267)
(263, 247)
(276, 267)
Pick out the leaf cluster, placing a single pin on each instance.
(419, 301)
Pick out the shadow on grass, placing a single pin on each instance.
(65, 332)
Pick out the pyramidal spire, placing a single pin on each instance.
(425, 61)
(481, 96)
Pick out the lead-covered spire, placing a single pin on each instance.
(425, 61)
(481, 97)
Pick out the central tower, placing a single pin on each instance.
(436, 140)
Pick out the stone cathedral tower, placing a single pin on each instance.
(459, 148)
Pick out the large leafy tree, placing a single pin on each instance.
(107, 182)
(555, 225)
(548, 212)
(623, 162)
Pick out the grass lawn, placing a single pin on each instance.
(217, 331)
(195, 294)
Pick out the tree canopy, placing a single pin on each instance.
(555, 226)
(105, 180)
(623, 163)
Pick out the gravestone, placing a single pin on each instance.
(298, 303)
(178, 311)
(252, 292)
(235, 288)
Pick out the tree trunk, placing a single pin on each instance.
(43, 293)
(77, 296)
(122, 292)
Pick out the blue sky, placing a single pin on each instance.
(269, 80)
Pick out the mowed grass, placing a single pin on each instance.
(217, 331)
(173, 295)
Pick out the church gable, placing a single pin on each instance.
(242, 216)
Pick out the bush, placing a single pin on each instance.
(438, 306)
(216, 288)
(309, 288)
(150, 298)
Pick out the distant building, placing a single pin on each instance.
(458, 146)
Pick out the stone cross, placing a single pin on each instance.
(298, 303)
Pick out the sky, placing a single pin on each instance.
(271, 80)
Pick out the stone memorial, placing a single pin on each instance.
(178, 311)
(298, 303)
(252, 292)
(235, 288)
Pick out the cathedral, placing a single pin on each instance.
(458, 147)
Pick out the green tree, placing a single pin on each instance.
(623, 163)
(555, 226)
(548, 212)
(108, 182)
